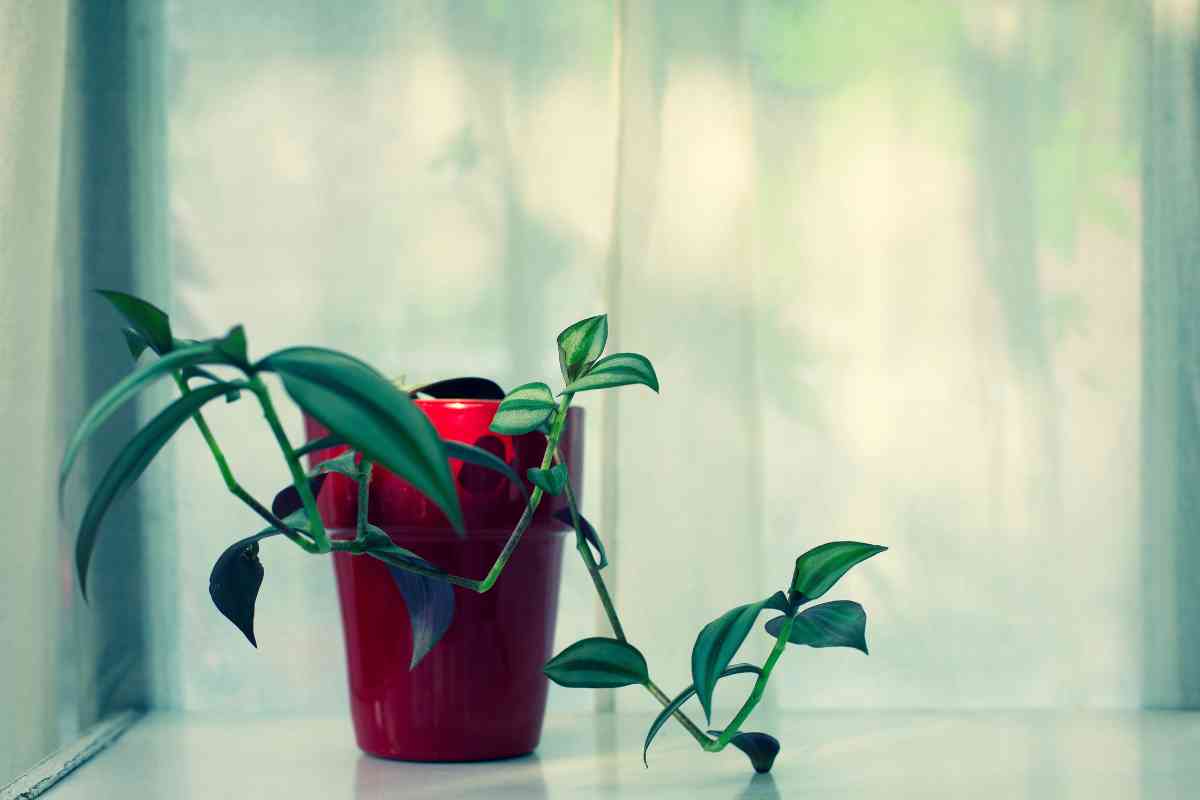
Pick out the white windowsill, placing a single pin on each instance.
(825, 754)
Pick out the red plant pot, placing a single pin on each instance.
(479, 693)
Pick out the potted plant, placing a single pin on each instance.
(436, 539)
(480, 693)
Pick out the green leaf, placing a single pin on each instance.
(842, 623)
(118, 395)
(551, 481)
(820, 568)
(134, 341)
(370, 414)
(598, 663)
(147, 319)
(235, 580)
(233, 346)
(778, 601)
(716, 645)
(482, 458)
(760, 748)
(298, 521)
(322, 443)
(344, 464)
(129, 465)
(524, 409)
(461, 389)
(681, 698)
(374, 538)
(619, 369)
(189, 373)
(287, 500)
(580, 345)
(589, 534)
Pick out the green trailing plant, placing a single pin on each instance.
(379, 424)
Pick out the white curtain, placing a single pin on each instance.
(888, 259)
(73, 153)
(33, 41)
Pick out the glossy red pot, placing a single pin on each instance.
(480, 692)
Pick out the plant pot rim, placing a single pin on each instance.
(475, 402)
(452, 401)
(402, 534)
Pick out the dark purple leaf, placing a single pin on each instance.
(288, 501)
(430, 604)
(760, 748)
(589, 533)
(235, 580)
(461, 389)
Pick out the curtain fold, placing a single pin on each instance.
(71, 170)
(889, 260)
(34, 43)
(1170, 463)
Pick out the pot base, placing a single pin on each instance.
(417, 759)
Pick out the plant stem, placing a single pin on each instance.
(679, 716)
(364, 497)
(231, 482)
(299, 479)
(514, 538)
(610, 611)
(756, 693)
(589, 561)
(556, 429)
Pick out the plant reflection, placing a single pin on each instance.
(519, 777)
(760, 787)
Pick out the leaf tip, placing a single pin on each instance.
(234, 583)
(82, 557)
(760, 748)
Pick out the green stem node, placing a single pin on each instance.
(756, 693)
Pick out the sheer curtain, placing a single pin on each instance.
(903, 269)
(33, 40)
(76, 145)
